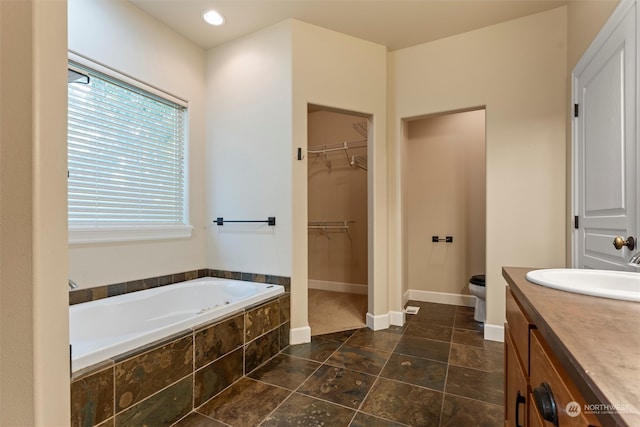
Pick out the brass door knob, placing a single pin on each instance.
(619, 243)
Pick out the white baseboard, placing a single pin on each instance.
(494, 332)
(440, 298)
(397, 318)
(349, 288)
(378, 322)
(300, 335)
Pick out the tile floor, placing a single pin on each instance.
(435, 371)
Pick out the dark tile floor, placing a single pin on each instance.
(435, 371)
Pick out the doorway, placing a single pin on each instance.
(444, 195)
(338, 261)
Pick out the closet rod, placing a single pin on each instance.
(338, 147)
(330, 224)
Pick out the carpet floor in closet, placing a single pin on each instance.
(335, 311)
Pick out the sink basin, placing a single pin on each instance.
(620, 285)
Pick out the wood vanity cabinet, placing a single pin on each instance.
(538, 393)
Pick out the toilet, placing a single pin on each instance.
(477, 289)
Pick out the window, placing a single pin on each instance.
(126, 153)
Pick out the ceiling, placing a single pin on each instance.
(393, 23)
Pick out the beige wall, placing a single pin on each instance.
(34, 341)
(445, 195)
(584, 20)
(337, 192)
(121, 36)
(517, 71)
(339, 71)
(248, 154)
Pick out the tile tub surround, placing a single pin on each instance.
(436, 371)
(161, 383)
(79, 296)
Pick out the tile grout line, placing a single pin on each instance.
(320, 364)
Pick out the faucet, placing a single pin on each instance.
(635, 260)
(72, 284)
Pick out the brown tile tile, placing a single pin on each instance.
(79, 296)
(198, 420)
(99, 292)
(111, 422)
(163, 408)
(135, 286)
(261, 349)
(92, 398)
(165, 280)
(475, 384)
(217, 340)
(394, 329)
(146, 374)
(217, 376)
(191, 275)
(116, 289)
(365, 420)
(338, 385)
(359, 359)
(429, 330)
(245, 403)
(302, 411)
(464, 319)
(261, 320)
(285, 330)
(416, 370)
(423, 347)
(319, 349)
(459, 411)
(341, 336)
(484, 359)
(404, 403)
(151, 282)
(285, 371)
(178, 277)
(439, 314)
(468, 337)
(285, 308)
(374, 340)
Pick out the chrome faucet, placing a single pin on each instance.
(635, 260)
(72, 284)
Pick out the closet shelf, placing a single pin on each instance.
(359, 161)
(325, 227)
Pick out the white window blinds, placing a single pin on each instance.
(126, 154)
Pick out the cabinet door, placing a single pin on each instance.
(534, 416)
(556, 391)
(516, 386)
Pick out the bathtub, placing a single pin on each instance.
(105, 328)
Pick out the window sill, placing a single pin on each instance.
(110, 234)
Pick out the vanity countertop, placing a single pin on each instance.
(596, 340)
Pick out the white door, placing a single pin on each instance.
(605, 180)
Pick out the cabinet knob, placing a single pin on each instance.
(545, 403)
(520, 399)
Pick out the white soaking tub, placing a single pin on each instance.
(107, 327)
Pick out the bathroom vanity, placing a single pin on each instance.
(570, 359)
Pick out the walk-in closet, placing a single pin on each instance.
(337, 213)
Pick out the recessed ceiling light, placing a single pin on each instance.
(213, 17)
